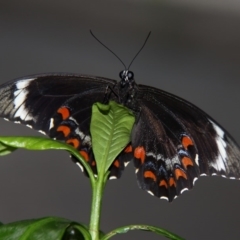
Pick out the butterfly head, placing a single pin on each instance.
(127, 77)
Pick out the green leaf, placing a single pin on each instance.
(34, 143)
(45, 228)
(111, 127)
(9, 144)
(156, 230)
(4, 149)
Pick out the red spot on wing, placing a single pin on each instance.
(64, 112)
(128, 149)
(93, 163)
(179, 173)
(85, 155)
(149, 174)
(74, 142)
(64, 129)
(163, 183)
(116, 163)
(186, 161)
(140, 153)
(172, 182)
(186, 141)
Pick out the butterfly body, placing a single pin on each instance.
(172, 142)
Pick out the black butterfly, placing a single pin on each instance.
(173, 142)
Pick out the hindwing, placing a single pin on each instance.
(175, 142)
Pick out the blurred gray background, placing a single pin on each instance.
(193, 52)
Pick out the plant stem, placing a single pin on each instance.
(97, 194)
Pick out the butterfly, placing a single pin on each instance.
(172, 143)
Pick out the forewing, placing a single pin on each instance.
(33, 100)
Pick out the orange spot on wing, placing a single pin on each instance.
(74, 141)
(85, 155)
(116, 163)
(163, 183)
(64, 112)
(66, 130)
(128, 149)
(186, 141)
(93, 163)
(172, 182)
(179, 173)
(140, 153)
(186, 161)
(149, 174)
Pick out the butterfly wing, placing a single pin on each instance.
(33, 100)
(58, 105)
(175, 142)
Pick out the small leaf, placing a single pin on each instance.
(156, 230)
(4, 149)
(111, 127)
(45, 228)
(33, 143)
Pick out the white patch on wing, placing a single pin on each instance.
(197, 159)
(171, 161)
(221, 162)
(6, 119)
(17, 92)
(23, 83)
(80, 166)
(112, 178)
(51, 125)
(165, 198)
(151, 193)
(85, 138)
(151, 154)
(42, 132)
(20, 95)
(126, 163)
(183, 190)
(74, 120)
(194, 180)
(23, 114)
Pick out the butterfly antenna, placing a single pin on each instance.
(108, 49)
(140, 49)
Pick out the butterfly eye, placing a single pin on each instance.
(121, 74)
(130, 75)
